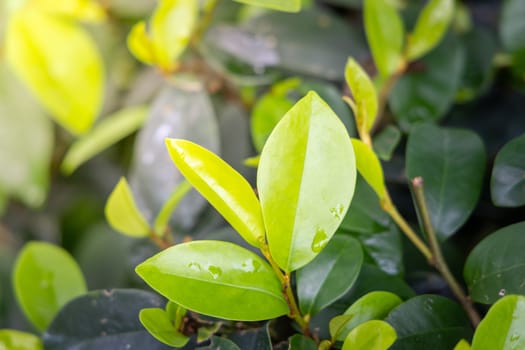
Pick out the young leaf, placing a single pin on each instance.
(306, 180)
(488, 282)
(385, 32)
(45, 278)
(430, 28)
(216, 278)
(162, 219)
(451, 163)
(11, 339)
(225, 189)
(462, 345)
(507, 185)
(280, 5)
(364, 95)
(502, 327)
(122, 212)
(369, 167)
(371, 335)
(159, 325)
(57, 59)
(330, 275)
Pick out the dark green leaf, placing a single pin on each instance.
(496, 266)
(429, 322)
(386, 142)
(508, 175)
(107, 319)
(11, 339)
(253, 339)
(300, 342)
(512, 26)
(451, 163)
(330, 275)
(159, 325)
(218, 343)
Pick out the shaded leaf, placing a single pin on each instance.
(281, 5)
(371, 335)
(306, 180)
(512, 28)
(507, 185)
(11, 339)
(369, 167)
(386, 142)
(162, 219)
(216, 278)
(496, 266)
(300, 342)
(330, 275)
(159, 325)
(219, 343)
(363, 93)
(254, 339)
(45, 278)
(452, 167)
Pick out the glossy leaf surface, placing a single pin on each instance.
(452, 168)
(216, 278)
(502, 327)
(495, 267)
(306, 180)
(429, 322)
(300, 342)
(369, 167)
(159, 325)
(385, 32)
(371, 335)
(281, 5)
(462, 345)
(57, 69)
(430, 28)
(122, 212)
(45, 278)
(11, 339)
(225, 189)
(113, 316)
(363, 93)
(512, 28)
(108, 132)
(330, 275)
(508, 182)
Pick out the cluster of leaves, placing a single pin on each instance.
(320, 240)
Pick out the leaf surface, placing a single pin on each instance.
(371, 335)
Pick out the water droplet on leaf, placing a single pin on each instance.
(194, 266)
(502, 292)
(215, 271)
(320, 240)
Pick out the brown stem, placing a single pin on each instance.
(438, 260)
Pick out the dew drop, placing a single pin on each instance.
(502, 292)
(194, 266)
(250, 265)
(335, 213)
(320, 240)
(215, 271)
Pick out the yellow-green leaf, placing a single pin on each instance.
(462, 345)
(60, 63)
(280, 5)
(140, 44)
(369, 167)
(430, 28)
(84, 10)
(122, 212)
(371, 335)
(11, 339)
(364, 94)
(225, 189)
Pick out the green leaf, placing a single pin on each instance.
(372, 306)
(364, 95)
(306, 180)
(45, 278)
(219, 343)
(122, 212)
(511, 26)
(301, 342)
(159, 325)
(216, 278)
(57, 59)
(330, 275)
(430, 28)
(369, 167)
(11, 339)
(225, 189)
(507, 185)
(280, 5)
(371, 335)
(429, 322)
(385, 32)
(451, 163)
(337, 324)
(83, 10)
(113, 316)
(162, 219)
(502, 327)
(495, 267)
(386, 142)
(462, 345)
(108, 132)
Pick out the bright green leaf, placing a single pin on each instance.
(222, 186)
(45, 278)
(11, 339)
(369, 167)
(218, 279)
(430, 28)
(371, 335)
(451, 163)
(364, 95)
(512, 27)
(280, 5)
(84, 10)
(502, 327)
(385, 32)
(330, 275)
(306, 180)
(507, 183)
(158, 324)
(462, 345)
(57, 59)
(337, 324)
(122, 212)
(109, 131)
(496, 267)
